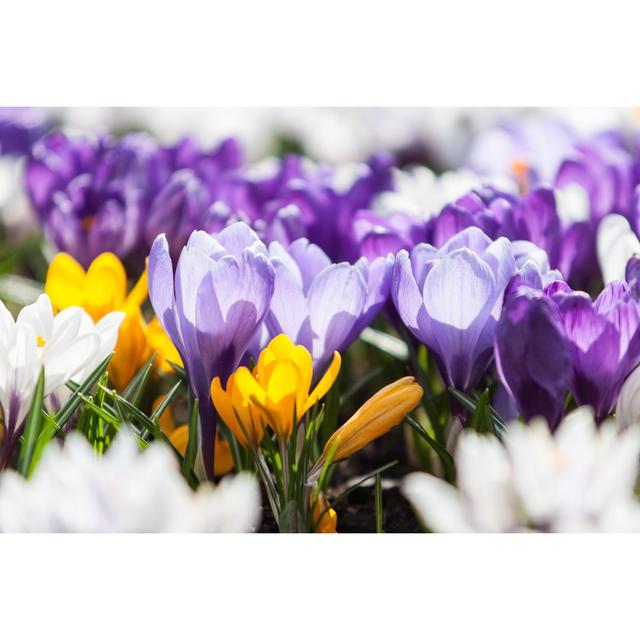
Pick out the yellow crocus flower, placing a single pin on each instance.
(279, 386)
(378, 415)
(100, 289)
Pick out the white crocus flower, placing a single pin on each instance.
(65, 345)
(421, 193)
(74, 490)
(616, 243)
(572, 203)
(579, 479)
(628, 407)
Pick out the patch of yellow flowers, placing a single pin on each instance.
(100, 289)
(277, 394)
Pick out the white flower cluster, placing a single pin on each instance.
(580, 479)
(74, 490)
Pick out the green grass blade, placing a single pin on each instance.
(32, 427)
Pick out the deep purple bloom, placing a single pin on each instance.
(533, 355)
(189, 190)
(451, 298)
(89, 194)
(605, 341)
(20, 127)
(293, 198)
(212, 307)
(632, 276)
(320, 305)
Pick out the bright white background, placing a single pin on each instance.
(305, 54)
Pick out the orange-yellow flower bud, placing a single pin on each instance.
(375, 417)
(324, 519)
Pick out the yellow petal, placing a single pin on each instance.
(140, 291)
(251, 421)
(167, 425)
(281, 346)
(131, 350)
(160, 343)
(224, 406)
(65, 282)
(325, 383)
(375, 417)
(180, 438)
(105, 285)
(223, 460)
(323, 519)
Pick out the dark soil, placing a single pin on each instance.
(356, 513)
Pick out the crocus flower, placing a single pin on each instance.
(533, 355)
(628, 405)
(279, 387)
(190, 191)
(605, 342)
(212, 306)
(20, 127)
(124, 491)
(579, 479)
(617, 243)
(632, 275)
(378, 415)
(99, 290)
(89, 194)
(323, 306)
(450, 299)
(37, 339)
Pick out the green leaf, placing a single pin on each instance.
(445, 457)
(471, 405)
(481, 419)
(47, 433)
(32, 427)
(378, 503)
(161, 408)
(192, 445)
(135, 388)
(75, 400)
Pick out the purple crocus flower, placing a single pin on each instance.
(377, 235)
(212, 306)
(605, 341)
(632, 275)
(450, 299)
(20, 127)
(292, 198)
(533, 355)
(189, 190)
(89, 194)
(607, 173)
(321, 305)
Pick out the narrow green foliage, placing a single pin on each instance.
(192, 445)
(471, 404)
(481, 419)
(32, 427)
(378, 503)
(445, 457)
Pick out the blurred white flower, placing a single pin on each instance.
(73, 490)
(579, 479)
(628, 407)
(616, 243)
(65, 345)
(422, 194)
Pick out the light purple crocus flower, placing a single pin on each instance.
(20, 127)
(211, 307)
(605, 341)
(451, 298)
(320, 305)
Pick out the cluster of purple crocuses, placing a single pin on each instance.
(239, 253)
